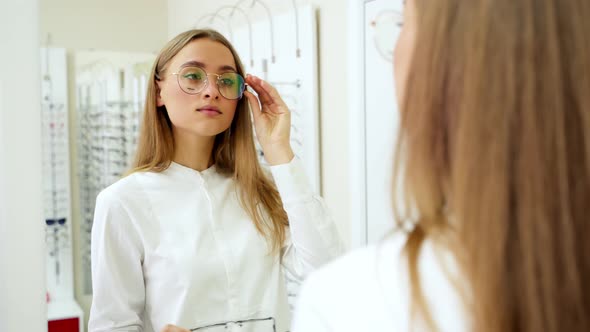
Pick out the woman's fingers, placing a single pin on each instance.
(267, 94)
(254, 82)
(254, 105)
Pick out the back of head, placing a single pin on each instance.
(496, 134)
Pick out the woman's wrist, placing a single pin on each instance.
(278, 155)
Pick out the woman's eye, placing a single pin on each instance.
(227, 82)
(192, 76)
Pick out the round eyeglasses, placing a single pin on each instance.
(193, 80)
(387, 25)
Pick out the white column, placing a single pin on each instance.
(22, 243)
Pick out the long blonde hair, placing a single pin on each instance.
(494, 151)
(234, 152)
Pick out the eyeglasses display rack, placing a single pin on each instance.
(64, 313)
(110, 90)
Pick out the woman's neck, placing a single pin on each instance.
(193, 151)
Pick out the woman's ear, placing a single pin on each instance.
(159, 101)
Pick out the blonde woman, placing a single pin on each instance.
(197, 236)
(495, 153)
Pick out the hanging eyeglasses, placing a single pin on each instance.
(246, 325)
(110, 102)
(387, 25)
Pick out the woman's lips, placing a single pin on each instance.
(210, 111)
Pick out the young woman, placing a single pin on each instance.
(197, 234)
(495, 150)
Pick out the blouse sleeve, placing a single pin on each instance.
(117, 275)
(314, 237)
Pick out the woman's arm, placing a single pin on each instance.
(315, 239)
(117, 277)
(314, 236)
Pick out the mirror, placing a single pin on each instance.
(96, 59)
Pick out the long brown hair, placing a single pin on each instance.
(234, 153)
(494, 151)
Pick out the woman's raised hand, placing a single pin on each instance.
(272, 121)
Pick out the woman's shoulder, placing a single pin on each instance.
(124, 191)
(362, 263)
(133, 185)
(372, 286)
(359, 267)
(352, 292)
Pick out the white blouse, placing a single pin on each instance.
(176, 247)
(369, 290)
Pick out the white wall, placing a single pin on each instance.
(138, 26)
(22, 250)
(332, 23)
(107, 25)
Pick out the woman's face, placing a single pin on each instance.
(404, 49)
(206, 113)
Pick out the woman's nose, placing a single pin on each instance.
(211, 90)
